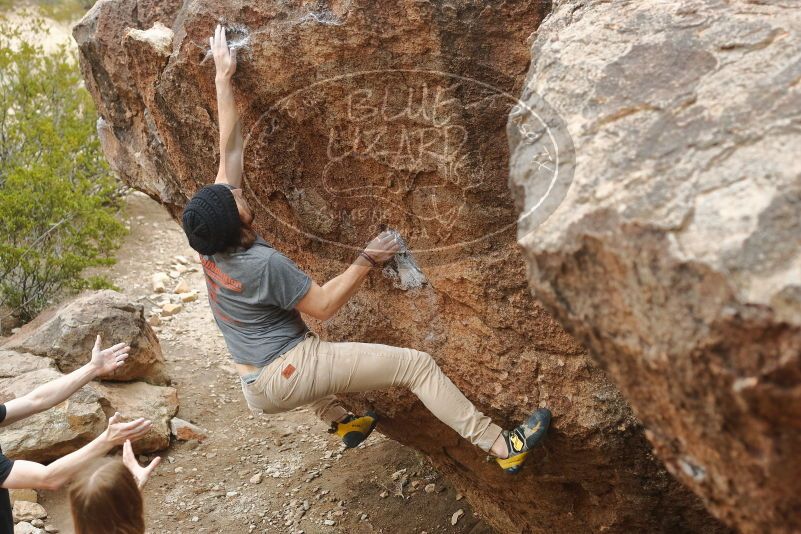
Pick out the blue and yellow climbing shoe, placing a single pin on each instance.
(354, 430)
(521, 439)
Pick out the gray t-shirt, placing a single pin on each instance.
(253, 294)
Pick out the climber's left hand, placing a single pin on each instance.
(224, 57)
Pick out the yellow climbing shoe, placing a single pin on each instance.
(523, 438)
(513, 464)
(354, 430)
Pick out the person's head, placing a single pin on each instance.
(218, 218)
(105, 499)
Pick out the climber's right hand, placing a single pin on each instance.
(224, 57)
(383, 247)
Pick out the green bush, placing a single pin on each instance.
(59, 203)
(60, 10)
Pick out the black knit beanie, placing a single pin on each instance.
(211, 220)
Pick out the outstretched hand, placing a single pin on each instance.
(141, 474)
(110, 359)
(224, 57)
(118, 432)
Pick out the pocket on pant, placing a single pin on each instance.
(284, 382)
(287, 387)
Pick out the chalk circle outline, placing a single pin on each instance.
(561, 142)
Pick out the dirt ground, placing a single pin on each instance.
(308, 483)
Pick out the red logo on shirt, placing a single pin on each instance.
(216, 278)
(214, 273)
(288, 370)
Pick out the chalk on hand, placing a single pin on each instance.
(402, 269)
(238, 37)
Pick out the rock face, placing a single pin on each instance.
(62, 337)
(66, 333)
(15, 363)
(139, 399)
(676, 255)
(28, 511)
(363, 114)
(65, 428)
(72, 424)
(55, 432)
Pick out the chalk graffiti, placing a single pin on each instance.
(406, 148)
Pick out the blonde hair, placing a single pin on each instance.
(105, 499)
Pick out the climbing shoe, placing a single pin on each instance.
(521, 439)
(354, 430)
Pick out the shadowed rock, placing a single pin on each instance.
(75, 422)
(55, 432)
(676, 255)
(67, 332)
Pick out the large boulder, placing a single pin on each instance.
(67, 332)
(138, 399)
(676, 255)
(16, 363)
(55, 432)
(75, 422)
(359, 114)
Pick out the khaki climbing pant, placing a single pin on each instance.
(314, 370)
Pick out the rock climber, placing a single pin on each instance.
(22, 474)
(257, 295)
